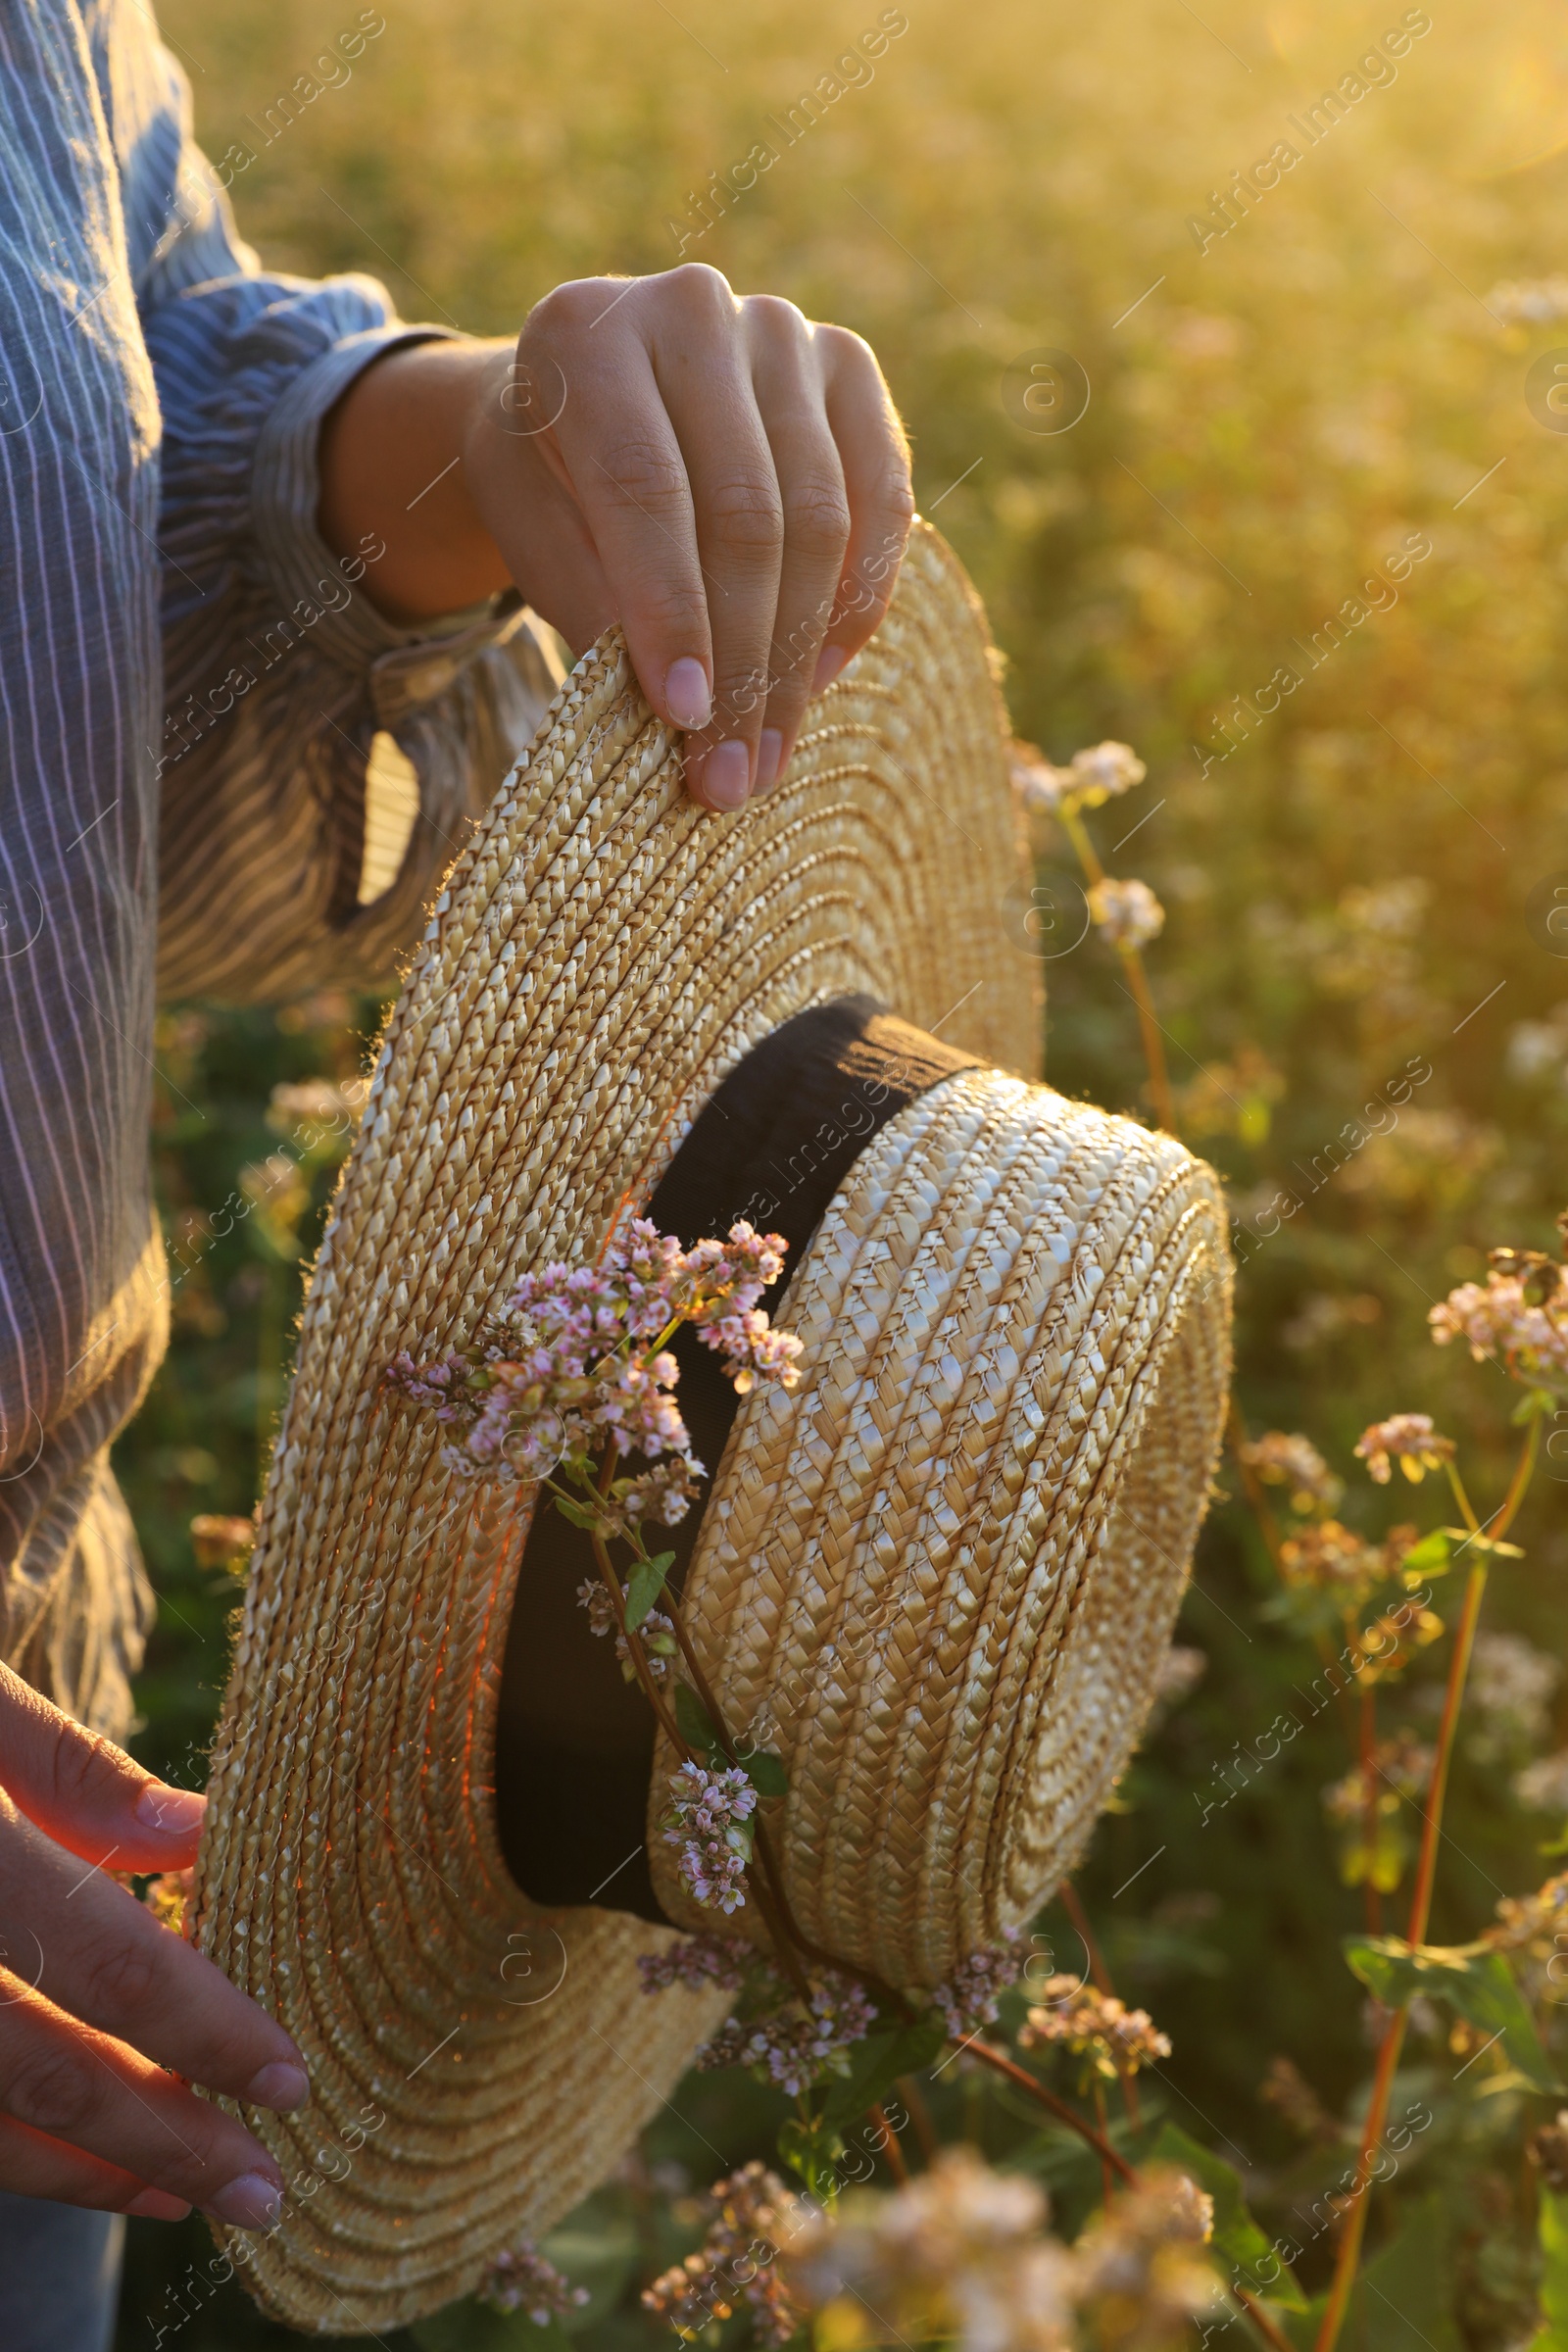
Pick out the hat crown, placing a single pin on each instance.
(940, 1575)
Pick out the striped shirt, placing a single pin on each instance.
(223, 773)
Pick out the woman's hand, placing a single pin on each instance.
(101, 2010)
(724, 477)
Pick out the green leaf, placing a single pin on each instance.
(691, 1722)
(1471, 1978)
(1553, 2335)
(1539, 1404)
(810, 2150)
(765, 1772)
(1403, 2299)
(877, 2062)
(644, 1585)
(1433, 1556)
(578, 1513)
(1237, 2242)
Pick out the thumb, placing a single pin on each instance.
(85, 1793)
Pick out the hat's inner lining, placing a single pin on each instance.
(574, 1740)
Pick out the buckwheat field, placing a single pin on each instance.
(1233, 346)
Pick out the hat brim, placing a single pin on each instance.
(601, 954)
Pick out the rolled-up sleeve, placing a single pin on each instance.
(319, 764)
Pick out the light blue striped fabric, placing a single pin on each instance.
(159, 397)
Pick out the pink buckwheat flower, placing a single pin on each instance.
(1408, 1438)
(709, 1822)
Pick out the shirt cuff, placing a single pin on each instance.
(285, 491)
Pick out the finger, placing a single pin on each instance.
(787, 378)
(34, 2166)
(72, 2084)
(704, 373)
(627, 475)
(875, 456)
(86, 1793)
(523, 493)
(102, 1957)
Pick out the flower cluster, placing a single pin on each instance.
(1141, 2274)
(519, 2279)
(695, 1961)
(1096, 774)
(222, 1540)
(1128, 913)
(657, 1633)
(576, 1361)
(1510, 1688)
(1532, 1930)
(1288, 1459)
(1384, 1648)
(1517, 1319)
(1115, 2040)
(1369, 1805)
(962, 2255)
(1327, 1556)
(1529, 301)
(969, 1999)
(753, 2213)
(1408, 1438)
(1400, 1768)
(709, 1823)
(1527, 1919)
(1542, 1787)
(794, 2045)
(959, 2255)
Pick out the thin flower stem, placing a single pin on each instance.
(1452, 1700)
(1349, 2256)
(920, 2117)
(1524, 1470)
(890, 2148)
(1273, 2335)
(1369, 1803)
(1350, 2249)
(884, 1994)
(1466, 1507)
(1268, 1525)
(1001, 2064)
(1107, 2177)
(1077, 833)
(638, 1655)
(1153, 1043)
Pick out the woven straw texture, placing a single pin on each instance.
(601, 955)
(941, 1575)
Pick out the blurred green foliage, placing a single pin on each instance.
(1348, 890)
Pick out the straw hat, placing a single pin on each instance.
(943, 1571)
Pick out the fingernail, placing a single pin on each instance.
(727, 775)
(770, 758)
(687, 696)
(156, 2205)
(252, 2202)
(830, 661)
(175, 1811)
(280, 2086)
